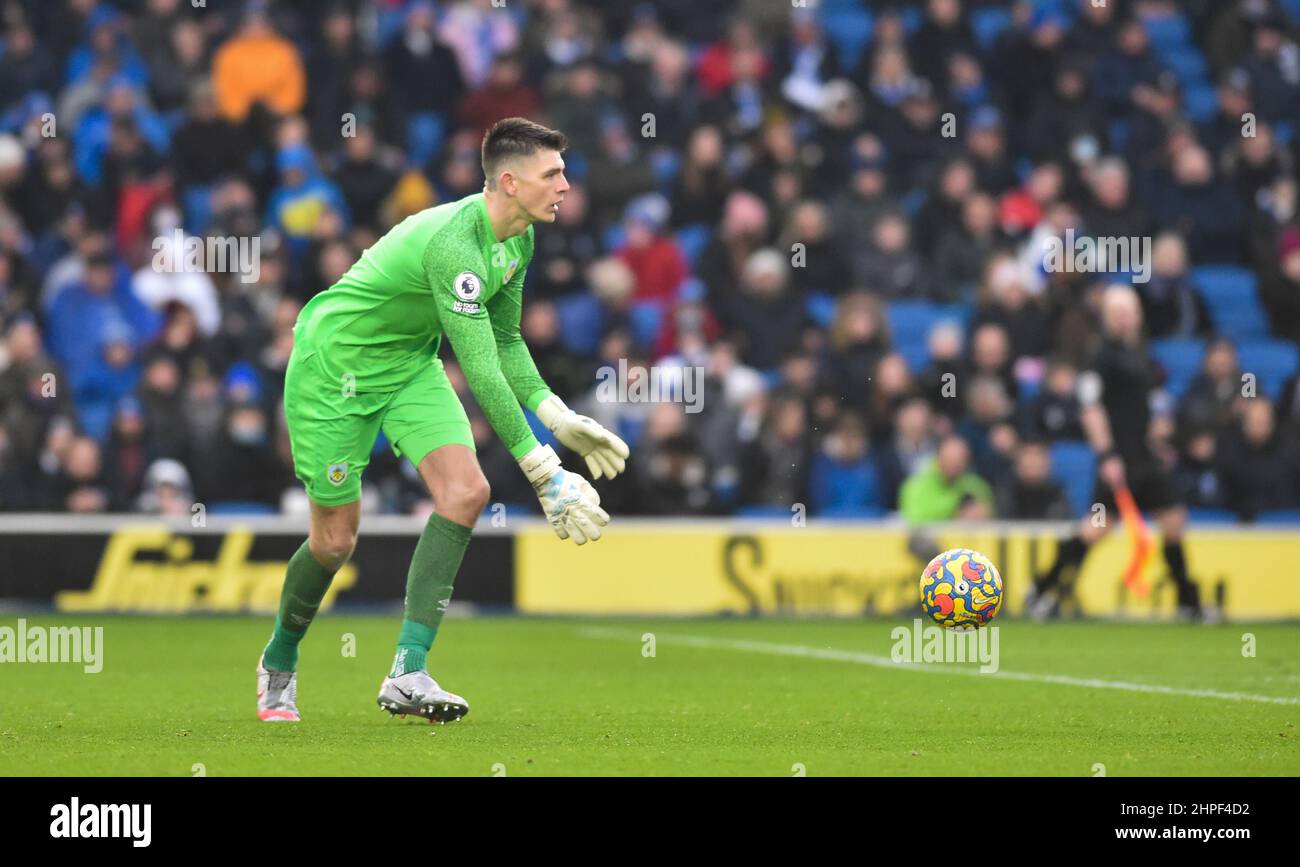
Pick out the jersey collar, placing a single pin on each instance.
(487, 221)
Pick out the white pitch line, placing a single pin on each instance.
(858, 658)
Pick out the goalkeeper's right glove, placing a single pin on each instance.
(568, 500)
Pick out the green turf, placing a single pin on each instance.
(552, 697)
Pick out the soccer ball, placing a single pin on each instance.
(961, 588)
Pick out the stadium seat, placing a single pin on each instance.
(424, 134)
(692, 240)
(1181, 359)
(1188, 64)
(1279, 516)
(613, 237)
(580, 320)
(850, 30)
(1168, 32)
(1247, 322)
(646, 318)
(1201, 102)
(240, 507)
(1228, 282)
(988, 24)
(665, 163)
(1205, 515)
(1231, 294)
(1074, 466)
(764, 512)
(1292, 10)
(851, 513)
(820, 308)
(1272, 361)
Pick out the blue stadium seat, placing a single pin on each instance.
(851, 513)
(1279, 516)
(1292, 9)
(1226, 282)
(1272, 361)
(988, 24)
(1181, 359)
(1247, 322)
(613, 237)
(820, 308)
(910, 323)
(240, 507)
(1205, 515)
(850, 30)
(1231, 294)
(1074, 466)
(646, 318)
(764, 512)
(580, 320)
(1188, 64)
(665, 162)
(1168, 32)
(913, 18)
(425, 132)
(693, 239)
(1201, 102)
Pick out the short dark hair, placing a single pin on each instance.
(517, 137)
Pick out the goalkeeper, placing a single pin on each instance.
(365, 359)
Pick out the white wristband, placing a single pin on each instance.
(539, 464)
(550, 411)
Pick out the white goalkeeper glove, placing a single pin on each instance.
(605, 453)
(568, 500)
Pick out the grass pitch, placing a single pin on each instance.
(718, 697)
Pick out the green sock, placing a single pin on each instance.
(428, 590)
(305, 584)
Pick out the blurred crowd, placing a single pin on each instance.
(747, 199)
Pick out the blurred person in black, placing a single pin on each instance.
(1259, 467)
(1199, 479)
(775, 463)
(1115, 393)
(1031, 494)
(1053, 413)
(672, 473)
(914, 442)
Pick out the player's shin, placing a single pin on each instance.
(428, 590)
(305, 583)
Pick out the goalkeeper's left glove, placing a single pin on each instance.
(570, 503)
(605, 453)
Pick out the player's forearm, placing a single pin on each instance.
(501, 408)
(520, 371)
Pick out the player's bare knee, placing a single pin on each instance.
(466, 497)
(332, 548)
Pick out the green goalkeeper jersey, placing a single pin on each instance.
(441, 271)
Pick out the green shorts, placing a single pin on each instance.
(332, 429)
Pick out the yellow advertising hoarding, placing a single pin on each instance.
(719, 567)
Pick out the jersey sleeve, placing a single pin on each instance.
(456, 277)
(517, 362)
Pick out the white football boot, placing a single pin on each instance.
(277, 695)
(417, 693)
